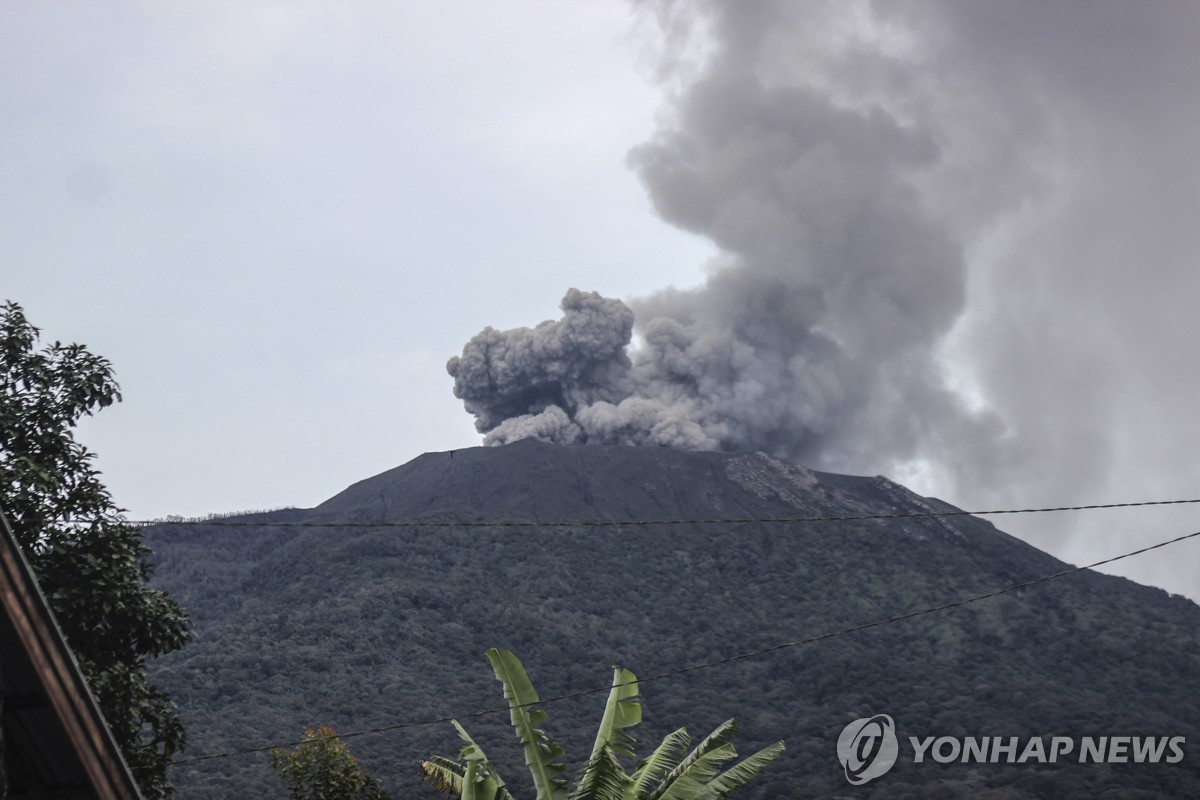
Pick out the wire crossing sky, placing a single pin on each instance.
(606, 523)
(948, 241)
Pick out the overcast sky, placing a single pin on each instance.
(278, 221)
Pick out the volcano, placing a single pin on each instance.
(332, 616)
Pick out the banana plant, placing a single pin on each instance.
(670, 772)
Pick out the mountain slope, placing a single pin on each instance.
(363, 627)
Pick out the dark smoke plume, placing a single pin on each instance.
(531, 382)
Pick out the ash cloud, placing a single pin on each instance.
(815, 336)
(529, 382)
(918, 202)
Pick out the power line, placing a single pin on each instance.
(715, 663)
(600, 523)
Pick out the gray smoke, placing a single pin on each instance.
(814, 337)
(957, 245)
(530, 382)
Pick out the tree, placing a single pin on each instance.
(322, 768)
(669, 773)
(93, 569)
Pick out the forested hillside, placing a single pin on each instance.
(369, 626)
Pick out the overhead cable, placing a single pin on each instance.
(605, 523)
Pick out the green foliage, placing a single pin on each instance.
(667, 774)
(322, 768)
(94, 572)
(478, 779)
(542, 756)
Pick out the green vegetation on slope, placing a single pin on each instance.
(366, 627)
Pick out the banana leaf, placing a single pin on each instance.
(741, 773)
(443, 775)
(718, 738)
(602, 779)
(665, 758)
(542, 756)
(691, 782)
(622, 711)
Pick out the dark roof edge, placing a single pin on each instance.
(62, 679)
